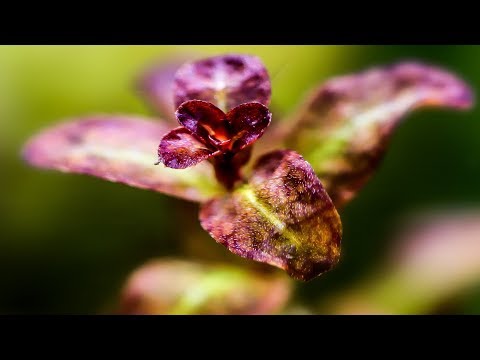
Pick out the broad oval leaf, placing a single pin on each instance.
(119, 149)
(179, 149)
(173, 286)
(344, 127)
(282, 217)
(226, 81)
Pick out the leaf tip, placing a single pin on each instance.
(442, 87)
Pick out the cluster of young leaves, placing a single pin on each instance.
(283, 211)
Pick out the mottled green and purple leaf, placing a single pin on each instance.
(282, 216)
(119, 149)
(344, 127)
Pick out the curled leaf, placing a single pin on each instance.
(344, 127)
(178, 149)
(204, 120)
(168, 286)
(247, 122)
(119, 149)
(233, 131)
(282, 217)
(226, 81)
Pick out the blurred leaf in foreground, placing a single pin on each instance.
(436, 259)
(171, 286)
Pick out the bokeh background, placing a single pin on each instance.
(68, 242)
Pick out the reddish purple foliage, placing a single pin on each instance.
(226, 81)
(208, 132)
(280, 212)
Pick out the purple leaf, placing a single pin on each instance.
(282, 217)
(156, 86)
(226, 81)
(233, 131)
(344, 127)
(120, 149)
(179, 149)
(204, 120)
(248, 122)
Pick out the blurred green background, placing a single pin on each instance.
(68, 242)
